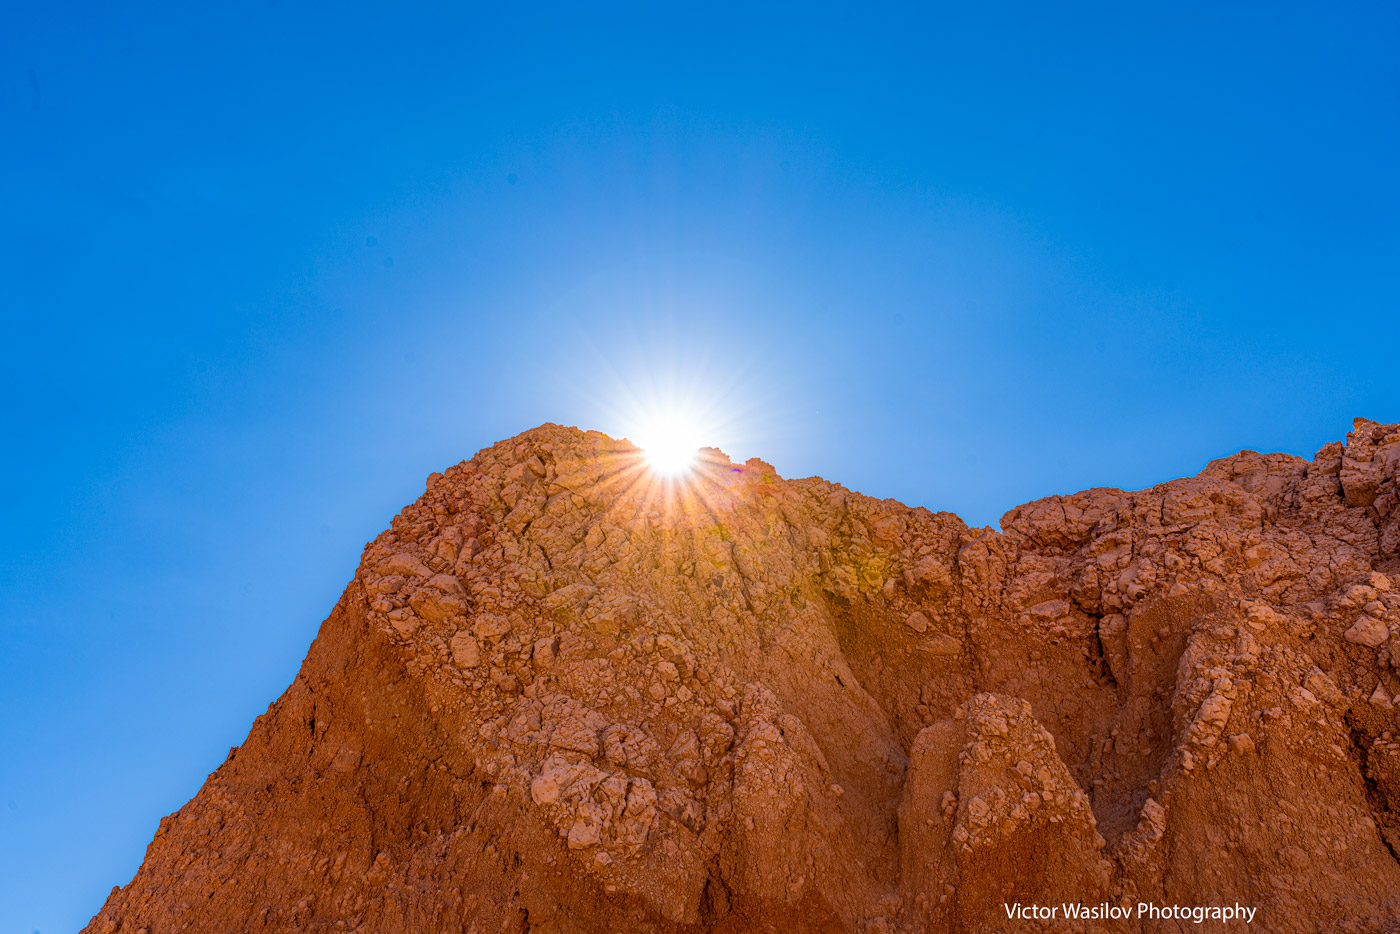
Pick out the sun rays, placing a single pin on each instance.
(671, 439)
(678, 396)
(633, 493)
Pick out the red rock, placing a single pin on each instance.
(559, 698)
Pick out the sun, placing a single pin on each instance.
(670, 444)
(673, 413)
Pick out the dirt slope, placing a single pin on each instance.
(559, 696)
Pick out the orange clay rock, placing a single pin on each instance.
(562, 696)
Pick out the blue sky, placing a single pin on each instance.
(266, 266)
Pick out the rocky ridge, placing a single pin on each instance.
(559, 695)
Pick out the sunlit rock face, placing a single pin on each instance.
(562, 694)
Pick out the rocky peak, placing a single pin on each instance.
(561, 695)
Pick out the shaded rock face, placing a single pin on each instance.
(561, 696)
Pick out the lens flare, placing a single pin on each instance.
(670, 444)
(674, 395)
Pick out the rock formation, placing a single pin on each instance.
(560, 695)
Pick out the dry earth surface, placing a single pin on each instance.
(561, 696)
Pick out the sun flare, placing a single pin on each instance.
(670, 444)
(678, 412)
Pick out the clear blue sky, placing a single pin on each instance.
(266, 266)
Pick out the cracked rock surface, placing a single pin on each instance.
(561, 696)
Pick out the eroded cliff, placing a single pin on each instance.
(561, 696)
